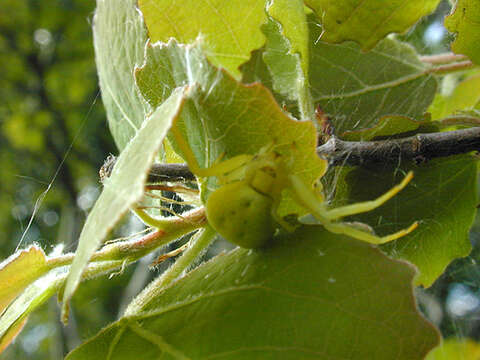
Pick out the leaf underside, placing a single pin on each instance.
(301, 298)
(119, 37)
(123, 188)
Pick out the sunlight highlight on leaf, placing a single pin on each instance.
(367, 21)
(465, 96)
(18, 271)
(229, 30)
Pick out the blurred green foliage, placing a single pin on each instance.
(49, 112)
(53, 131)
(51, 119)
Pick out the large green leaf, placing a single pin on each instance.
(356, 89)
(442, 197)
(312, 295)
(119, 39)
(230, 30)
(224, 118)
(464, 22)
(123, 188)
(349, 87)
(367, 21)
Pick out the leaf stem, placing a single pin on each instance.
(442, 58)
(198, 244)
(452, 67)
(132, 250)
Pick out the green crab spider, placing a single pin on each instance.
(244, 208)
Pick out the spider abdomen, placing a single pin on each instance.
(241, 214)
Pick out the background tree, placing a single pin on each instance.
(51, 119)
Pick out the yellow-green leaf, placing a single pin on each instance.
(465, 96)
(18, 271)
(367, 21)
(456, 349)
(229, 30)
(464, 21)
(286, 52)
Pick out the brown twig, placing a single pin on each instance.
(420, 147)
(158, 172)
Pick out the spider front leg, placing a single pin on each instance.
(328, 217)
(218, 169)
(346, 229)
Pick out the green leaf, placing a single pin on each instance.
(229, 30)
(455, 349)
(299, 299)
(465, 96)
(356, 89)
(464, 22)
(367, 21)
(123, 188)
(15, 316)
(16, 274)
(283, 65)
(442, 197)
(224, 118)
(18, 271)
(171, 65)
(291, 16)
(286, 52)
(119, 39)
(33, 296)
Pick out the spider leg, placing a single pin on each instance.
(333, 214)
(366, 206)
(307, 198)
(342, 228)
(214, 170)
